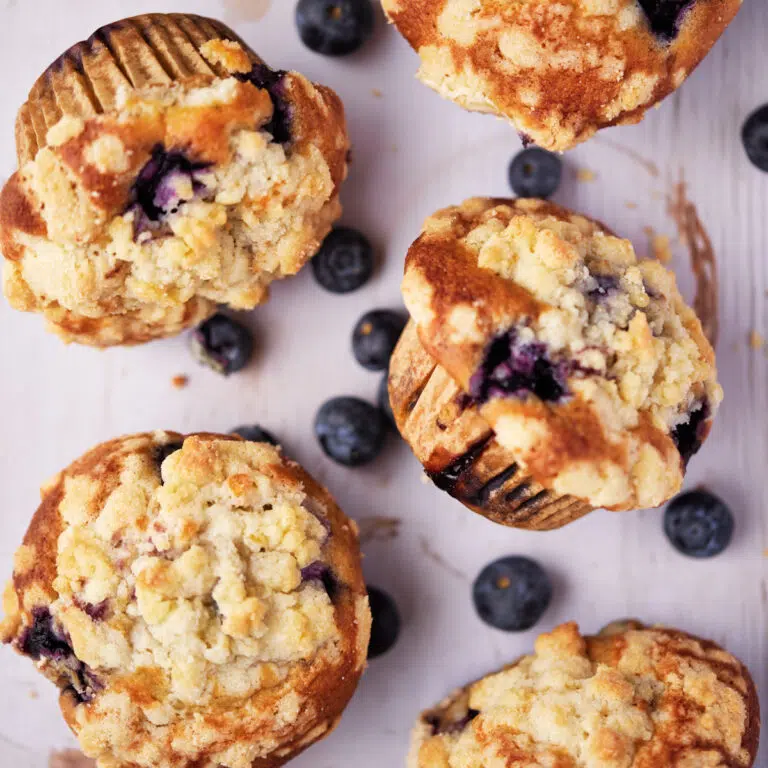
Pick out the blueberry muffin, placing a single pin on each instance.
(559, 70)
(199, 602)
(547, 370)
(164, 169)
(632, 697)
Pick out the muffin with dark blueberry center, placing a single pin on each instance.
(630, 697)
(198, 601)
(559, 70)
(546, 370)
(165, 169)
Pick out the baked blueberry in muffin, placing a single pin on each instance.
(197, 600)
(559, 70)
(630, 697)
(165, 169)
(547, 371)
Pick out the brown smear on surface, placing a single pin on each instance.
(378, 528)
(702, 255)
(246, 10)
(649, 165)
(439, 560)
(70, 758)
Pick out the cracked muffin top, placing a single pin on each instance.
(165, 169)
(585, 361)
(629, 698)
(559, 70)
(199, 602)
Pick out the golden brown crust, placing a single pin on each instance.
(459, 450)
(622, 360)
(687, 701)
(254, 207)
(313, 690)
(558, 71)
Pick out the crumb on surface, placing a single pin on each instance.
(631, 205)
(179, 381)
(376, 93)
(661, 248)
(585, 175)
(756, 341)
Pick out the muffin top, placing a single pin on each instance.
(629, 698)
(559, 69)
(159, 181)
(585, 361)
(199, 601)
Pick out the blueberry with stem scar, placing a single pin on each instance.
(334, 27)
(375, 336)
(698, 524)
(534, 172)
(512, 593)
(350, 431)
(344, 262)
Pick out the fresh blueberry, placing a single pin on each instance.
(664, 16)
(754, 134)
(698, 524)
(535, 172)
(344, 262)
(512, 593)
(385, 628)
(514, 369)
(350, 431)
(375, 336)
(334, 27)
(223, 344)
(255, 434)
(383, 401)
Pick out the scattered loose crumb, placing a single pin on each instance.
(376, 93)
(439, 560)
(179, 381)
(70, 758)
(584, 174)
(756, 341)
(33, 694)
(378, 528)
(629, 204)
(661, 249)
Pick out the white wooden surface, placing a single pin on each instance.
(413, 153)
